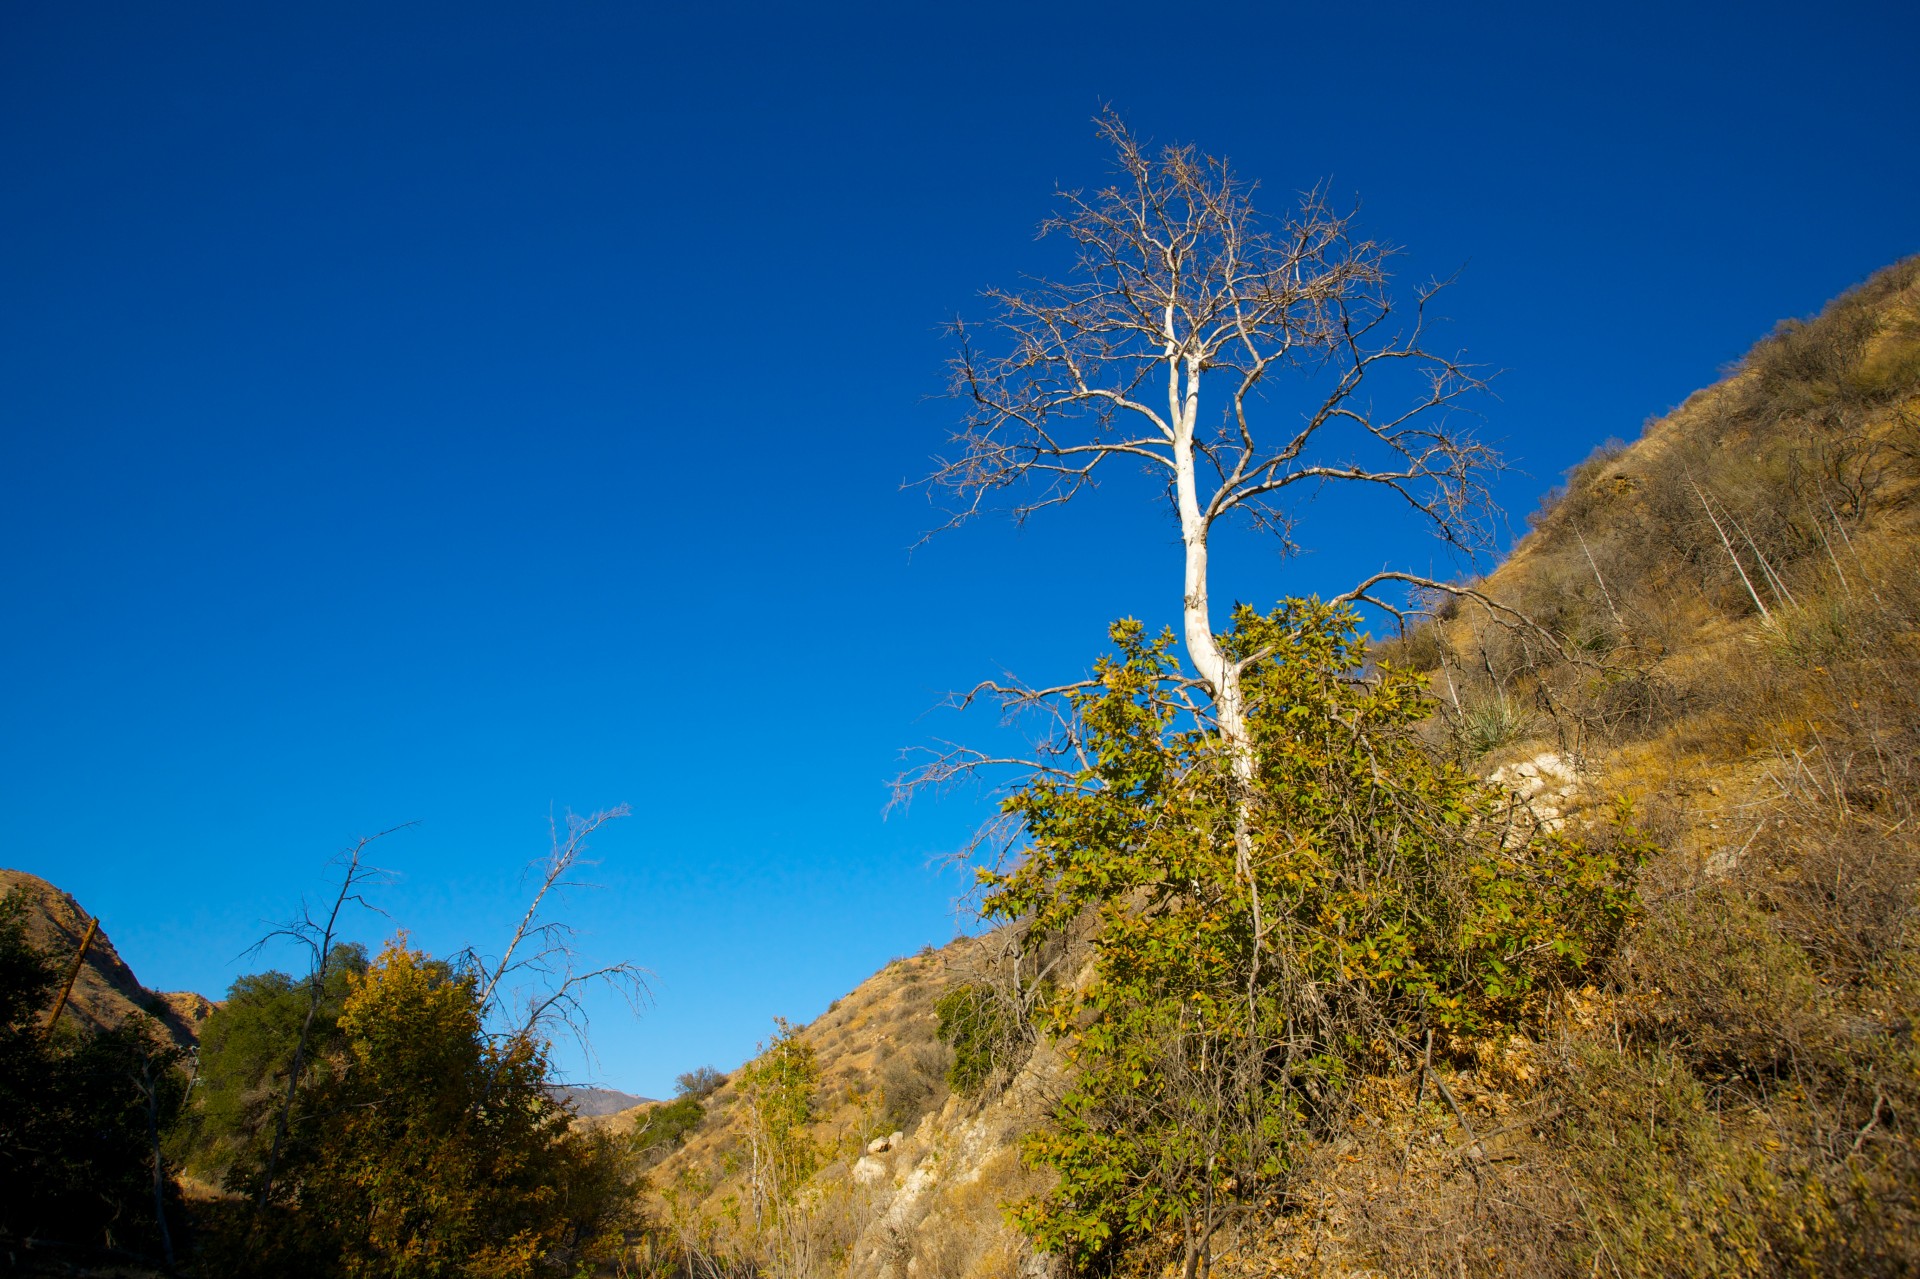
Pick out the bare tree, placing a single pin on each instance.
(1186, 310)
(317, 935)
(541, 951)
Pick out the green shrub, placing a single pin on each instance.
(981, 1030)
(246, 1048)
(427, 1148)
(1489, 723)
(1385, 892)
(660, 1130)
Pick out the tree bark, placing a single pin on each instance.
(1209, 660)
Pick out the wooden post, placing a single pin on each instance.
(73, 975)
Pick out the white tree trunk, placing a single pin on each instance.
(1210, 662)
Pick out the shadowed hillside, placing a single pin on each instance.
(106, 992)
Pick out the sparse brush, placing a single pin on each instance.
(910, 1085)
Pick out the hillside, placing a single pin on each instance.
(1721, 649)
(911, 1176)
(1733, 653)
(106, 992)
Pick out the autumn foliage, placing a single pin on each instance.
(427, 1147)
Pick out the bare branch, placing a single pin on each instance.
(1180, 294)
(1502, 614)
(543, 949)
(1177, 276)
(317, 936)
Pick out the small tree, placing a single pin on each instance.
(431, 1148)
(246, 1053)
(777, 1091)
(699, 1083)
(1184, 296)
(317, 935)
(398, 1119)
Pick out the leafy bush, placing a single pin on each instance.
(660, 1130)
(1383, 893)
(246, 1049)
(980, 1029)
(428, 1148)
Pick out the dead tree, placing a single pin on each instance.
(1188, 318)
(317, 935)
(539, 969)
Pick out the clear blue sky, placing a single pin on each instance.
(456, 413)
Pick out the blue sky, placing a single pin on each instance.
(458, 414)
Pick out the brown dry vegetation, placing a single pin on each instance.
(1738, 597)
(931, 1204)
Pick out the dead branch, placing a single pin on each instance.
(1503, 615)
(543, 950)
(318, 937)
(1178, 280)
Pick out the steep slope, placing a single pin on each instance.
(912, 1176)
(1733, 604)
(1723, 649)
(106, 992)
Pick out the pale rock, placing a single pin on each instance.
(1546, 784)
(869, 1170)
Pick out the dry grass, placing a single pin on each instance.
(1739, 1098)
(881, 1069)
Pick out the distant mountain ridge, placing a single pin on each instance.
(592, 1103)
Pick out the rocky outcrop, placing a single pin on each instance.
(1547, 783)
(939, 1196)
(916, 1178)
